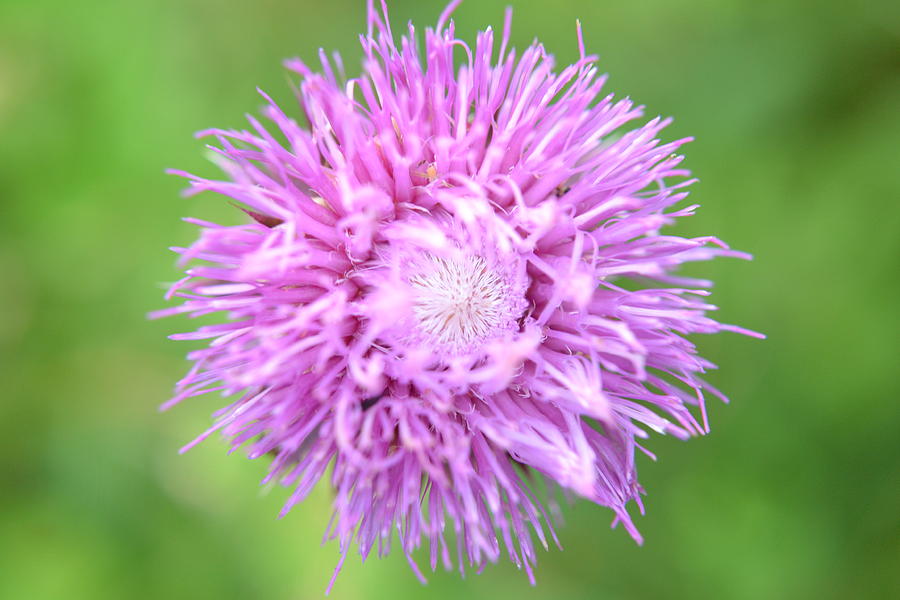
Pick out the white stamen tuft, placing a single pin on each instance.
(459, 301)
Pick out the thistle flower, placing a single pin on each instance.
(451, 287)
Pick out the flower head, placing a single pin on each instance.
(452, 279)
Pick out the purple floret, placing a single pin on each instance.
(452, 282)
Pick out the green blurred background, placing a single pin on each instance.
(795, 494)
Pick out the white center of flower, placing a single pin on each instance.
(459, 301)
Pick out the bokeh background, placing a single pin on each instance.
(795, 494)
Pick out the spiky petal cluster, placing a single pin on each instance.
(430, 294)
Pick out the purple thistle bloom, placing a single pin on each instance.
(452, 282)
